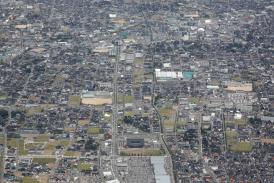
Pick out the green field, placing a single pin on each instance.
(237, 122)
(83, 167)
(139, 61)
(52, 145)
(231, 137)
(42, 138)
(30, 111)
(34, 145)
(180, 123)
(1, 164)
(34, 110)
(167, 111)
(22, 150)
(231, 134)
(29, 180)
(2, 140)
(95, 130)
(241, 147)
(125, 98)
(129, 113)
(13, 142)
(194, 100)
(72, 153)
(43, 161)
(3, 97)
(19, 144)
(168, 124)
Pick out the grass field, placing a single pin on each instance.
(138, 71)
(74, 101)
(95, 130)
(43, 161)
(1, 164)
(194, 100)
(70, 129)
(72, 153)
(168, 124)
(29, 180)
(231, 134)
(51, 145)
(137, 76)
(181, 123)
(37, 109)
(167, 111)
(237, 122)
(34, 145)
(84, 167)
(125, 98)
(129, 113)
(241, 147)
(139, 61)
(3, 97)
(13, 142)
(22, 150)
(42, 138)
(2, 140)
(19, 144)
(83, 122)
(231, 137)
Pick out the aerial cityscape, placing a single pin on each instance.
(137, 91)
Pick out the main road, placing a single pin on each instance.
(114, 144)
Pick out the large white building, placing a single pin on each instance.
(167, 75)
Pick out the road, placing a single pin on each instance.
(114, 144)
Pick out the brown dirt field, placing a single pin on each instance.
(96, 101)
